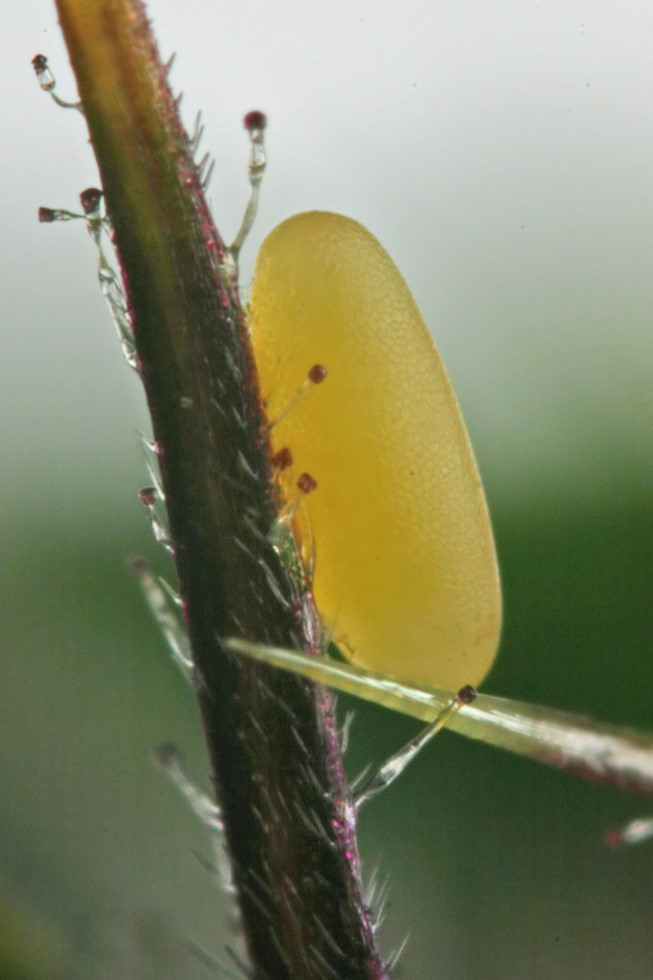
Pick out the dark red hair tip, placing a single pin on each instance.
(282, 459)
(306, 483)
(467, 694)
(147, 496)
(317, 374)
(255, 120)
(90, 199)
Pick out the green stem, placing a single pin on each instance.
(271, 737)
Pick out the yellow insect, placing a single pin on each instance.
(405, 569)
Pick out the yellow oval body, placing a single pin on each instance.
(405, 568)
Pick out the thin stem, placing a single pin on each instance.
(272, 740)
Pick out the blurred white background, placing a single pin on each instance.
(500, 151)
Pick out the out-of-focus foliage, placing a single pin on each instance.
(496, 866)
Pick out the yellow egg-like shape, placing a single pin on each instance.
(405, 570)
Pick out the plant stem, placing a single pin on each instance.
(271, 737)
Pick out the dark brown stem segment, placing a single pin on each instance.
(271, 737)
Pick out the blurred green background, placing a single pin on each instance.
(502, 154)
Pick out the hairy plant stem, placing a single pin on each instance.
(271, 737)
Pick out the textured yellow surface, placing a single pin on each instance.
(405, 567)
